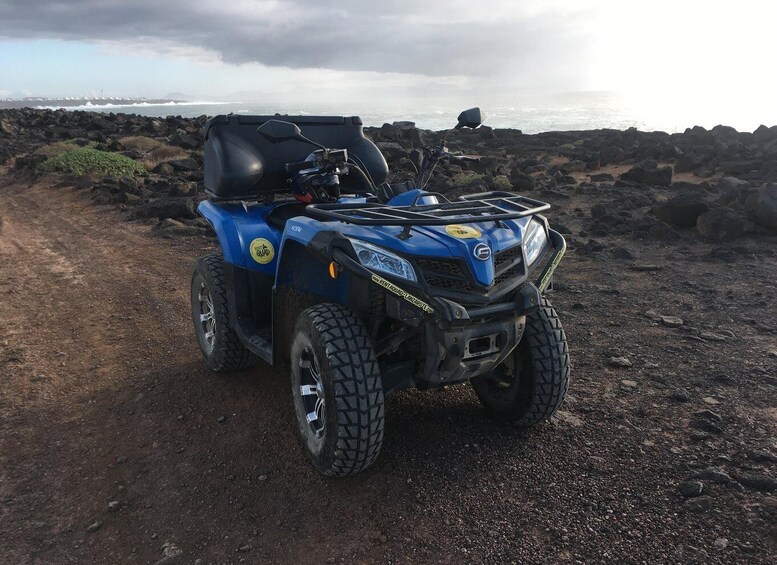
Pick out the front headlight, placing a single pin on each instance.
(535, 241)
(379, 259)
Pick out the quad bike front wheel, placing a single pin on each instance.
(529, 387)
(337, 390)
(222, 349)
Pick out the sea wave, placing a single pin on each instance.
(90, 106)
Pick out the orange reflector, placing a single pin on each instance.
(333, 271)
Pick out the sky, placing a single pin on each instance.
(243, 49)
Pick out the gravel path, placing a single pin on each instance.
(118, 446)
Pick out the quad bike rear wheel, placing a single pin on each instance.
(529, 387)
(222, 349)
(337, 390)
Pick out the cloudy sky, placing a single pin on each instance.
(241, 48)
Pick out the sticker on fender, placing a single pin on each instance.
(262, 251)
(391, 287)
(462, 232)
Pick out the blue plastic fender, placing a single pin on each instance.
(248, 241)
(245, 237)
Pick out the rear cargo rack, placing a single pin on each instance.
(474, 208)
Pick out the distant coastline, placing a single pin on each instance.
(42, 102)
(571, 111)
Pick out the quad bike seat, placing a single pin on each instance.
(240, 164)
(282, 213)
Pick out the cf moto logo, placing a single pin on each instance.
(482, 252)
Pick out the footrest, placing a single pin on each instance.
(259, 341)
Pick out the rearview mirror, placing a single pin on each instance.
(471, 118)
(276, 131)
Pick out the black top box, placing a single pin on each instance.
(240, 164)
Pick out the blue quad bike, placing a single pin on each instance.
(365, 287)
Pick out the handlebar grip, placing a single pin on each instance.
(295, 167)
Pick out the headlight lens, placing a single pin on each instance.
(535, 241)
(379, 259)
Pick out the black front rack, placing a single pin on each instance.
(474, 208)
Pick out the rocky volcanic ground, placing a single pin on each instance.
(118, 446)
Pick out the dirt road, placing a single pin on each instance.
(118, 446)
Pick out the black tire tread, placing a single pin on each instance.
(542, 386)
(230, 353)
(550, 364)
(358, 388)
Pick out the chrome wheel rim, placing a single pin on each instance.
(207, 315)
(312, 392)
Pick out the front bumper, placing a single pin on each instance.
(459, 353)
(461, 342)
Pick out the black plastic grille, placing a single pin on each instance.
(508, 274)
(504, 258)
(448, 268)
(508, 264)
(505, 276)
(444, 274)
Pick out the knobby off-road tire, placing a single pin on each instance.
(539, 376)
(222, 349)
(337, 390)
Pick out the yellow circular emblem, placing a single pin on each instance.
(262, 250)
(462, 232)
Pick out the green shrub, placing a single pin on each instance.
(466, 179)
(503, 183)
(90, 161)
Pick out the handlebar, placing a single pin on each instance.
(322, 160)
(465, 158)
(301, 166)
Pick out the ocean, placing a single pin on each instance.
(669, 112)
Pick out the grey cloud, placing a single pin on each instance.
(440, 40)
